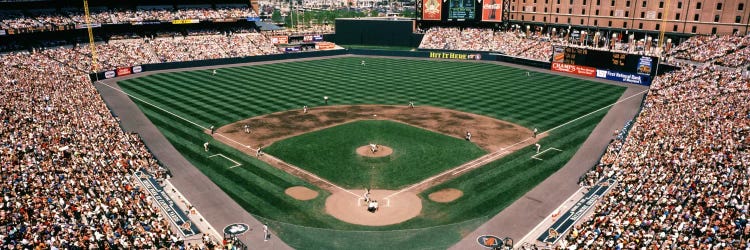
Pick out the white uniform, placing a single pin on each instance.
(265, 233)
(205, 146)
(537, 147)
(214, 72)
(304, 109)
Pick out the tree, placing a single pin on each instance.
(276, 16)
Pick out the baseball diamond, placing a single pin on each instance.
(496, 91)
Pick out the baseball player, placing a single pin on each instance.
(362, 63)
(468, 136)
(373, 147)
(367, 195)
(205, 146)
(411, 104)
(325, 99)
(212, 129)
(536, 132)
(213, 72)
(304, 109)
(247, 128)
(266, 235)
(528, 73)
(537, 147)
(259, 152)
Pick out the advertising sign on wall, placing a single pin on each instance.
(432, 10)
(123, 71)
(623, 77)
(459, 56)
(574, 69)
(280, 39)
(492, 10)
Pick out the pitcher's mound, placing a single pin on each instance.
(301, 193)
(446, 195)
(349, 208)
(367, 152)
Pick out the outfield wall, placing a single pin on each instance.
(432, 54)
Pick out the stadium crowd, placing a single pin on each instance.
(705, 48)
(478, 39)
(729, 50)
(160, 49)
(52, 20)
(682, 171)
(67, 165)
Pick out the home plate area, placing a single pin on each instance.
(551, 150)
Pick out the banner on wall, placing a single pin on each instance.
(574, 69)
(137, 69)
(185, 21)
(458, 56)
(86, 26)
(145, 23)
(123, 71)
(492, 11)
(325, 45)
(432, 10)
(280, 39)
(623, 77)
(109, 74)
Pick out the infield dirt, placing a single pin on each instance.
(488, 133)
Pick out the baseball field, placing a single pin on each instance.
(183, 105)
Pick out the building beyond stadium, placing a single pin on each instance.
(681, 16)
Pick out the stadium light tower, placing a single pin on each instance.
(94, 64)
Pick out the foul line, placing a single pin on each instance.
(478, 162)
(551, 148)
(600, 109)
(152, 105)
(236, 164)
(202, 127)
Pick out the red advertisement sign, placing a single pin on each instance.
(280, 39)
(325, 45)
(574, 69)
(123, 71)
(492, 11)
(431, 10)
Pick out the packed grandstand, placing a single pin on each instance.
(682, 168)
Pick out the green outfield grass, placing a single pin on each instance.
(417, 154)
(542, 100)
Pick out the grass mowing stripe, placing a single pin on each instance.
(155, 95)
(542, 100)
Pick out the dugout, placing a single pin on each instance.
(377, 32)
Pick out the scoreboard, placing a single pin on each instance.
(459, 10)
(462, 9)
(618, 61)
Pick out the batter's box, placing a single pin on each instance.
(537, 155)
(236, 164)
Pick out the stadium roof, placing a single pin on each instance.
(267, 26)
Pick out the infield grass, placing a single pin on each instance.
(417, 154)
(542, 101)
